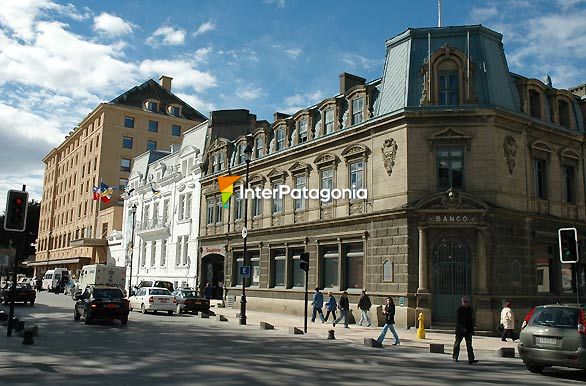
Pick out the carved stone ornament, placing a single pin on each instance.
(389, 150)
(510, 149)
(451, 200)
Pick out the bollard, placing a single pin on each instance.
(266, 326)
(295, 331)
(28, 337)
(204, 315)
(331, 334)
(506, 352)
(221, 318)
(369, 342)
(421, 328)
(436, 348)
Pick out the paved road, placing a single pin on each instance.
(186, 350)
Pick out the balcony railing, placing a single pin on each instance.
(153, 228)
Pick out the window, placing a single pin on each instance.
(356, 175)
(330, 266)
(540, 169)
(219, 210)
(534, 104)
(218, 162)
(255, 269)
(569, 185)
(210, 210)
(239, 260)
(279, 260)
(280, 139)
(239, 207)
(564, 113)
(329, 121)
(178, 251)
(450, 162)
(357, 108)
(303, 130)
(256, 206)
(165, 211)
(300, 183)
(277, 201)
(176, 111)
(259, 146)
(153, 106)
(184, 257)
(187, 212)
(326, 182)
(163, 253)
(129, 122)
(151, 145)
(123, 183)
(127, 142)
(297, 274)
(354, 265)
(544, 259)
(448, 88)
(176, 130)
(125, 165)
(241, 153)
(143, 254)
(153, 126)
(388, 271)
(153, 252)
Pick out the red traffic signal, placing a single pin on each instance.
(16, 210)
(568, 243)
(304, 265)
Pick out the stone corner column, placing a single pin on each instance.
(482, 288)
(422, 288)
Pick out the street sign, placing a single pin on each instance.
(245, 271)
(244, 232)
(3, 261)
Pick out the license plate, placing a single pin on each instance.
(197, 302)
(21, 293)
(549, 341)
(111, 306)
(163, 300)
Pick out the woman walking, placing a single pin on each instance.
(508, 322)
(331, 306)
(389, 313)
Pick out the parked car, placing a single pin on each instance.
(24, 293)
(25, 280)
(189, 301)
(101, 303)
(157, 283)
(153, 299)
(554, 335)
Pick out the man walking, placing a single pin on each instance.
(317, 303)
(364, 304)
(344, 306)
(464, 330)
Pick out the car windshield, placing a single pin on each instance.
(164, 284)
(159, 291)
(559, 317)
(23, 286)
(108, 293)
(189, 294)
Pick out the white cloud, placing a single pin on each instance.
(278, 3)
(187, 75)
(112, 25)
(249, 94)
(482, 14)
(197, 102)
(294, 52)
(167, 36)
(355, 61)
(205, 27)
(297, 102)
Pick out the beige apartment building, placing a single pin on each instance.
(73, 226)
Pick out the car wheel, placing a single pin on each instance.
(178, 309)
(124, 320)
(194, 312)
(86, 318)
(32, 303)
(76, 315)
(142, 309)
(170, 312)
(534, 368)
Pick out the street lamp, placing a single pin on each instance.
(247, 154)
(131, 248)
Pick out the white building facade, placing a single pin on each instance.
(161, 214)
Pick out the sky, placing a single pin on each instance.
(59, 60)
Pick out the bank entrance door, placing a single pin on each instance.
(451, 278)
(213, 273)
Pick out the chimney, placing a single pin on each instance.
(166, 82)
(278, 115)
(347, 81)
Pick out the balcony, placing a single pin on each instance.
(154, 228)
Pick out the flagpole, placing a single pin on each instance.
(99, 208)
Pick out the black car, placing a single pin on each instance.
(189, 301)
(24, 293)
(101, 303)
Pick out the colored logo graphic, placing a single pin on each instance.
(226, 185)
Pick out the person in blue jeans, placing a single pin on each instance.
(317, 303)
(389, 313)
(344, 306)
(331, 306)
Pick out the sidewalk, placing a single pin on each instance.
(356, 334)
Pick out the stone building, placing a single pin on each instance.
(73, 227)
(470, 170)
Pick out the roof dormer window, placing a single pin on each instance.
(174, 110)
(280, 139)
(152, 106)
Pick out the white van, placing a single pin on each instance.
(53, 277)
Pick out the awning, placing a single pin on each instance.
(58, 261)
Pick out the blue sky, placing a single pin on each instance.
(58, 60)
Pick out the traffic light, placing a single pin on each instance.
(568, 242)
(304, 261)
(16, 209)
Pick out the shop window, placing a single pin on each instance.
(254, 268)
(354, 267)
(330, 257)
(279, 260)
(297, 274)
(544, 260)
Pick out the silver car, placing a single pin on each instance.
(554, 335)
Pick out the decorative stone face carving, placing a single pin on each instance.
(451, 200)
(510, 149)
(326, 213)
(389, 150)
(357, 207)
(299, 217)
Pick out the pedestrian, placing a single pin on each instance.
(389, 313)
(207, 291)
(317, 303)
(364, 305)
(508, 322)
(344, 306)
(331, 306)
(464, 330)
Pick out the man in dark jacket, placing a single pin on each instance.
(364, 304)
(317, 303)
(465, 330)
(344, 306)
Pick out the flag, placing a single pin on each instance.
(95, 193)
(105, 193)
(155, 191)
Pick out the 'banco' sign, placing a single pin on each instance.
(453, 218)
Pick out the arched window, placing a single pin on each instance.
(448, 83)
(516, 271)
(388, 270)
